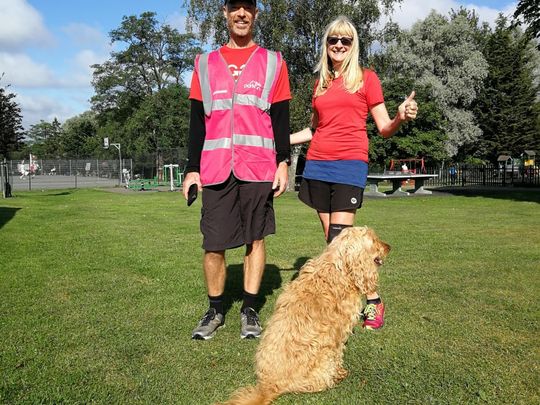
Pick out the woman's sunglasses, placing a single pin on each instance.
(344, 41)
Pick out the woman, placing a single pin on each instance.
(336, 168)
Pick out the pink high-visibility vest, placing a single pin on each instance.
(239, 134)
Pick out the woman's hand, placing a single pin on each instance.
(408, 109)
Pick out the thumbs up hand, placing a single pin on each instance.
(408, 109)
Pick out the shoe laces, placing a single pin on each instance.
(208, 317)
(251, 316)
(370, 311)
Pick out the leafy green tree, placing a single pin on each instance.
(43, 139)
(80, 137)
(508, 107)
(152, 58)
(11, 129)
(421, 138)
(161, 123)
(529, 11)
(443, 56)
(140, 98)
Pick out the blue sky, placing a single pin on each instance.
(47, 46)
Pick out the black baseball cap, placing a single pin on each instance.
(254, 2)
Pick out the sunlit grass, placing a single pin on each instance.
(100, 291)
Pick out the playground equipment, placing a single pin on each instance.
(508, 164)
(529, 158)
(171, 168)
(410, 165)
(173, 177)
(106, 145)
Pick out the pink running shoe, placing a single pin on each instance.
(373, 315)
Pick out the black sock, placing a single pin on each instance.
(374, 301)
(334, 230)
(216, 303)
(250, 300)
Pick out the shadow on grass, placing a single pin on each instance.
(7, 214)
(234, 286)
(501, 193)
(298, 265)
(60, 193)
(57, 193)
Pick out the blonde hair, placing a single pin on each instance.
(350, 69)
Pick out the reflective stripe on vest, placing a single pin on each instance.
(236, 106)
(247, 140)
(241, 99)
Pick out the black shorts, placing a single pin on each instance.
(236, 213)
(330, 197)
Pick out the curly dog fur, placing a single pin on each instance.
(301, 349)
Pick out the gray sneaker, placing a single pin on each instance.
(251, 326)
(208, 325)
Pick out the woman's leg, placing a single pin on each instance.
(324, 217)
(339, 220)
(373, 312)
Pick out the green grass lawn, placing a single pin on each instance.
(99, 292)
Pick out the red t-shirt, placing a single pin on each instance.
(341, 130)
(236, 59)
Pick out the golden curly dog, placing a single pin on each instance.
(301, 349)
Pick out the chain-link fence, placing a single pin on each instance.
(152, 165)
(68, 173)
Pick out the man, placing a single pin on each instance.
(238, 156)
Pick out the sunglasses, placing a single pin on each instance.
(344, 41)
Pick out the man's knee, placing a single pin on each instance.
(254, 246)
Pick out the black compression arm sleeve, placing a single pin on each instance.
(279, 113)
(197, 133)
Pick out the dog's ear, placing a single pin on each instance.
(354, 256)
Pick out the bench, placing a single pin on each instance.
(397, 178)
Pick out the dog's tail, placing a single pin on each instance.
(257, 395)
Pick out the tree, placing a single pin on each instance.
(43, 139)
(161, 123)
(444, 57)
(141, 101)
(422, 138)
(154, 57)
(530, 12)
(507, 108)
(80, 137)
(11, 129)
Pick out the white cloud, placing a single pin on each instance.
(37, 107)
(411, 11)
(21, 25)
(80, 72)
(86, 36)
(22, 71)
(96, 50)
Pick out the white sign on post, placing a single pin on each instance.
(106, 143)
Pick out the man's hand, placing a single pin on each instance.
(191, 178)
(408, 109)
(281, 179)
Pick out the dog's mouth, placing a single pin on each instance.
(378, 261)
